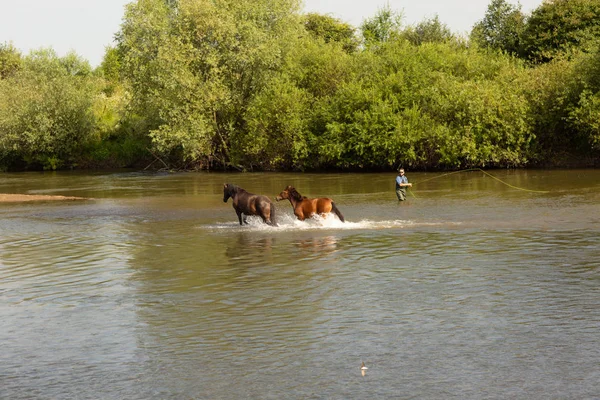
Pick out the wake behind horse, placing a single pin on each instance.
(246, 203)
(305, 207)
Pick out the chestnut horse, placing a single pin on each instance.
(305, 207)
(245, 203)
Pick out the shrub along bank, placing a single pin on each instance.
(257, 85)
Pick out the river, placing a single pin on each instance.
(150, 289)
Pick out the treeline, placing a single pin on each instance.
(257, 85)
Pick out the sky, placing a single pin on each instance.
(88, 26)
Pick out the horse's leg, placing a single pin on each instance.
(261, 211)
(239, 214)
(244, 216)
(267, 212)
(272, 220)
(264, 214)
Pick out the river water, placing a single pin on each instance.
(471, 289)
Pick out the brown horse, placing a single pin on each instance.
(305, 207)
(245, 203)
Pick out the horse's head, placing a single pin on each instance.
(228, 191)
(283, 195)
(288, 193)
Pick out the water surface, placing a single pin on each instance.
(151, 289)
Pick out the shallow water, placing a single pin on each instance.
(151, 290)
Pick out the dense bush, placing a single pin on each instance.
(55, 113)
(255, 85)
(45, 110)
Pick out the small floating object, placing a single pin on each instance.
(363, 369)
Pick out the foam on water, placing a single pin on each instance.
(330, 222)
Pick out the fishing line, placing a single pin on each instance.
(485, 173)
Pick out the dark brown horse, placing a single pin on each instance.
(305, 207)
(245, 203)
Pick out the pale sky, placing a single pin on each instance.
(88, 26)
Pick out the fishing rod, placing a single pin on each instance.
(485, 173)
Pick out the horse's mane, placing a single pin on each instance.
(235, 188)
(295, 195)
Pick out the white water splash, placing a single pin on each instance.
(330, 222)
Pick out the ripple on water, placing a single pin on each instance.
(63, 269)
(149, 302)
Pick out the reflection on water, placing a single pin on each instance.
(154, 291)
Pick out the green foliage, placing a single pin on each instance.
(253, 84)
(331, 30)
(585, 118)
(428, 31)
(381, 27)
(110, 68)
(195, 66)
(558, 26)
(552, 90)
(75, 65)
(584, 115)
(10, 60)
(45, 110)
(501, 28)
(121, 151)
(54, 112)
(278, 134)
(427, 105)
(317, 67)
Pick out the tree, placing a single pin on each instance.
(10, 60)
(194, 66)
(428, 31)
(382, 26)
(331, 30)
(558, 26)
(75, 65)
(584, 117)
(501, 28)
(277, 120)
(110, 68)
(45, 111)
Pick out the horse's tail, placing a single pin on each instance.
(337, 212)
(272, 217)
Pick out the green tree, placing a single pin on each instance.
(194, 67)
(501, 28)
(584, 116)
(110, 67)
(277, 120)
(427, 105)
(558, 26)
(428, 31)
(382, 26)
(586, 119)
(75, 65)
(45, 111)
(331, 30)
(552, 89)
(10, 60)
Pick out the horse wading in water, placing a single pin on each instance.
(305, 207)
(245, 203)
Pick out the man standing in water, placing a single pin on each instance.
(401, 185)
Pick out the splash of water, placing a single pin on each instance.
(329, 222)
